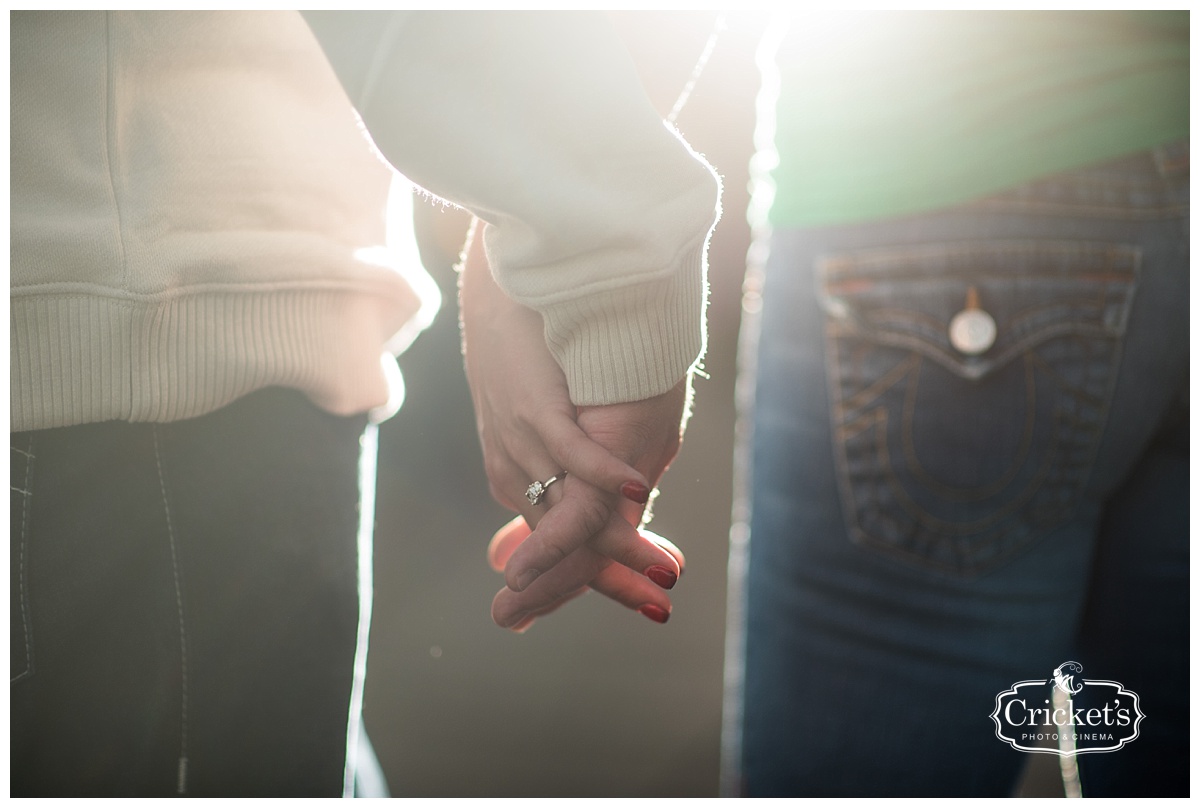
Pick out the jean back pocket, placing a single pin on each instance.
(970, 384)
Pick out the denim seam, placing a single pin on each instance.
(1118, 355)
(861, 398)
(884, 316)
(183, 745)
(833, 391)
(26, 493)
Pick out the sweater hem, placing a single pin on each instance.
(79, 358)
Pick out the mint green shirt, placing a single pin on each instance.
(889, 113)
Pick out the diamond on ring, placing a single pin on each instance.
(534, 492)
(537, 489)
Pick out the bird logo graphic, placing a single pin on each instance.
(1064, 678)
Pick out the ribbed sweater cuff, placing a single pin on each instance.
(82, 359)
(634, 342)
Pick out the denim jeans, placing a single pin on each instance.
(185, 603)
(969, 464)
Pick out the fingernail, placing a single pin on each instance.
(662, 576)
(515, 620)
(655, 613)
(636, 492)
(526, 578)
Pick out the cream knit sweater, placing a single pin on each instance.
(196, 213)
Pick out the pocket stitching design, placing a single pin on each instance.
(927, 336)
(958, 555)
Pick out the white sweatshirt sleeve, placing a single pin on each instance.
(598, 214)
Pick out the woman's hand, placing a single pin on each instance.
(578, 539)
(587, 528)
(523, 412)
(528, 430)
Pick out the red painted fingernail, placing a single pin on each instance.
(655, 613)
(662, 576)
(636, 492)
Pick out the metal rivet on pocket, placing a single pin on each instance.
(972, 331)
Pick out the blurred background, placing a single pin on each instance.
(594, 700)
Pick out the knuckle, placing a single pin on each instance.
(512, 441)
(562, 537)
(553, 553)
(647, 434)
(555, 441)
(594, 516)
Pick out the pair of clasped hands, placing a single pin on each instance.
(585, 532)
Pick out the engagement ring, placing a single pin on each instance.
(537, 489)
